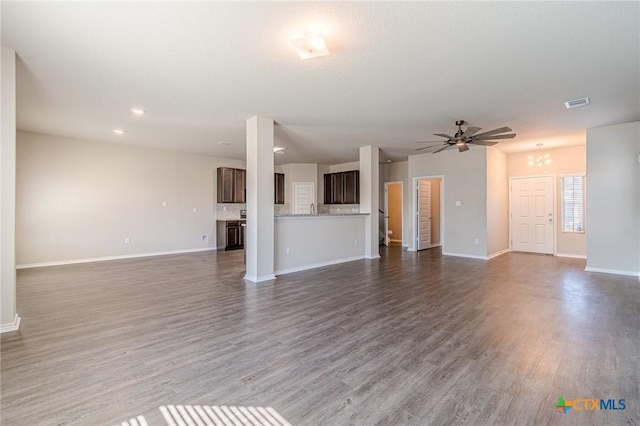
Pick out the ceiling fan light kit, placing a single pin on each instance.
(470, 136)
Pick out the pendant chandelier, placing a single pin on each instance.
(539, 160)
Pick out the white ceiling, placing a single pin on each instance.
(398, 72)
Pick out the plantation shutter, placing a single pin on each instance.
(573, 204)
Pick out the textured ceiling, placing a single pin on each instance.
(398, 72)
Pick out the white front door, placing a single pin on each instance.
(532, 227)
(424, 214)
(303, 197)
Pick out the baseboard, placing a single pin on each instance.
(259, 279)
(612, 271)
(469, 256)
(573, 256)
(498, 253)
(375, 256)
(396, 241)
(107, 258)
(320, 264)
(12, 326)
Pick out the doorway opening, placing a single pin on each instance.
(429, 223)
(393, 213)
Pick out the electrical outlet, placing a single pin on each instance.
(476, 241)
(288, 250)
(458, 203)
(164, 204)
(204, 238)
(355, 242)
(127, 240)
(195, 210)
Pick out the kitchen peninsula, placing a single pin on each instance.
(305, 241)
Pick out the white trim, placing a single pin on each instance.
(12, 326)
(573, 256)
(107, 258)
(256, 279)
(498, 253)
(612, 271)
(470, 256)
(375, 256)
(321, 264)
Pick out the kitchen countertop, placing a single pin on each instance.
(320, 215)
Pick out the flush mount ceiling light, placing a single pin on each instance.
(224, 143)
(137, 111)
(310, 46)
(279, 150)
(575, 103)
(118, 132)
(540, 160)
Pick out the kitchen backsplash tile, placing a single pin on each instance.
(229, 211)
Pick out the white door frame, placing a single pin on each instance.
(414, 211)
(553, 201)
(386, 210)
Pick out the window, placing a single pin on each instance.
(572, 203)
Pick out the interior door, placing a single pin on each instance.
(424, 214)
(532, 224)
(303, 197)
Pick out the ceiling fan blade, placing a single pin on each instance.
(509, 136)
(434, 142)
(494, 132)
(462, 147)
(441, 149)
(470, 131)
(424, 147)
(442, 135)
(483, 143)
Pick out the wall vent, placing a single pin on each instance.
(575, 103)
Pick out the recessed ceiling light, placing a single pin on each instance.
(575, 103)
(118, 132)
(310, 46)
(279, 150)
(137, 111)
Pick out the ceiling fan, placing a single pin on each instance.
(469, 136)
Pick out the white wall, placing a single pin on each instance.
(465, 180)
(497, 202)
(79, 200)
(8, 317)
(315, 241)
(344, 167)
(613, 199)
(564, 161)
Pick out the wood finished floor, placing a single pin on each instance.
(411, 338)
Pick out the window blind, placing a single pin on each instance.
(573, 204)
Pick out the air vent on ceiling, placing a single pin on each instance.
(575, 103)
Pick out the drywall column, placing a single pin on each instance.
(9, 319)
(259, 237)
(370, 197)
(613, 204)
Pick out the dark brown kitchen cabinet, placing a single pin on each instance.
(279, 188)
(342, 187)
(240, 186)
(231, 185)
(230, 234)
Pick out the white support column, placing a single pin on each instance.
(370, 198)
(259, 237)
(9, 320)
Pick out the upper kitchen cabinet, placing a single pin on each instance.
(342, 188)
(231, 185)
(279, 188)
